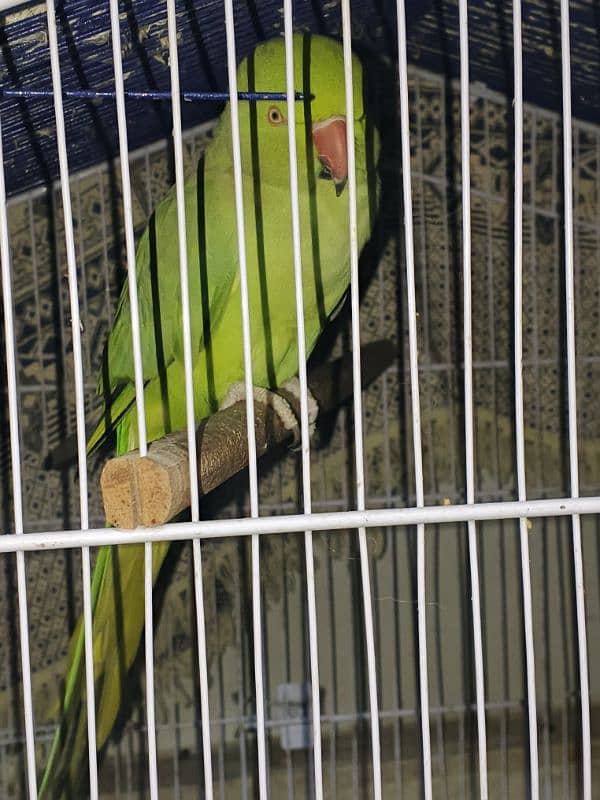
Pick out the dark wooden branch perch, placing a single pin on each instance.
(151, 490)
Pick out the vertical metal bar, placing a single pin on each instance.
(266, 678)
(15, 455)
(461, 754)
(392, 541)
(253, 479)
(128, 220)
(189, 393)
(572, 398)
(547, 661)
(203, 669)
(415, 399)
(304, 423)
(465, 139)
(357, 398)
(61, 141)
(183, 262)
(149, 656)
(397, 695)
(139, 381)
(519, 413)
(286, 655)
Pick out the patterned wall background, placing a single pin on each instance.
(51, 500)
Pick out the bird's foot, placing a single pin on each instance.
(292, 386)
(280, 405)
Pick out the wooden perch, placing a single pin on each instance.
(151, 490)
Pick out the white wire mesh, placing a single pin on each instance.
(437, 477)
(415, 399)
(519, 411)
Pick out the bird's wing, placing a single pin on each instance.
(211, 272)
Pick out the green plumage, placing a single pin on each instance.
(213, 264)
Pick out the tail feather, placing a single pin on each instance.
(117, 596)
(56, 782)
(117, 636)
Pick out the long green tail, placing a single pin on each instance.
(54, 779)
(117, 587)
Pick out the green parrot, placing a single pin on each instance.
(216, 328)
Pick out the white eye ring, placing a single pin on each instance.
(275, 116)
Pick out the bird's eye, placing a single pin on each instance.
(275, 116)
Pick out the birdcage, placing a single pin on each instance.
(406, 603)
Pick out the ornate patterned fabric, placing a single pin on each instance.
(47, 414)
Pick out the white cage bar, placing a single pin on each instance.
(79, 392)
(473, 513)
(246, 332)
(465, 163)
(519, 410)
(139, 380)
(415, 397)
(189, 394)
(572, 396)
(299, 523)
(303, 384)
(357, 405)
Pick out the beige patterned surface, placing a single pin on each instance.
(47, 410)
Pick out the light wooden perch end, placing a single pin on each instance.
(151, 490)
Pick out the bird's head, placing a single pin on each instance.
(320, 117)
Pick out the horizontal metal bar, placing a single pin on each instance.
(295, 523)
(44, 733)
(93, 94)
(249, 721)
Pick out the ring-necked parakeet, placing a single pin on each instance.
(117, 585)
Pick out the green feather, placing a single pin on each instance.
(213, 267)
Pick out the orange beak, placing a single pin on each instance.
(329, 138)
